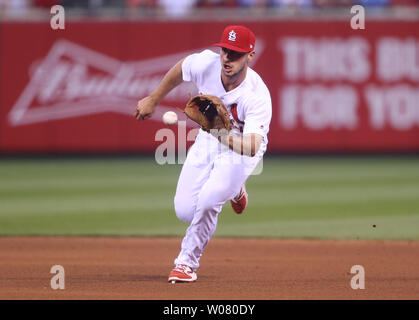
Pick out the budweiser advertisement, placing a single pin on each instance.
(333, 89)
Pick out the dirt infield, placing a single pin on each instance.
(137, 268)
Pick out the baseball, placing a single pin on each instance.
(170, 118)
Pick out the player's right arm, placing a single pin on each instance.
(147, 106)
(247, 145)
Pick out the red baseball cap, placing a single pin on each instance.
(237, 38)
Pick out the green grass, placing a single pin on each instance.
(292, 198)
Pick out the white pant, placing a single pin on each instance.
(211, 175)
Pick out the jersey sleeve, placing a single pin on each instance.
(194, 65)
(258, 116)
(188, 63)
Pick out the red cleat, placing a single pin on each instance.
(182, 273)
(239, 203)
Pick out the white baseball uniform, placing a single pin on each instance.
(212, 173)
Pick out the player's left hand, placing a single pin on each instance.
(218, 127)
(209, 112)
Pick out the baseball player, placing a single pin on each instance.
(217, 166)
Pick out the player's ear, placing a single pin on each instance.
(250, 56)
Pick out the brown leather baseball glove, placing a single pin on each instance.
(209, 112)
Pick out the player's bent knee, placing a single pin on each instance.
(184, 210)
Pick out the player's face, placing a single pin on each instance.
(233, 62)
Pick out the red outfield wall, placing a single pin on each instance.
(332, 88)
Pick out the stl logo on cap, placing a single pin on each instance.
(232, 36)
(237, 38)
